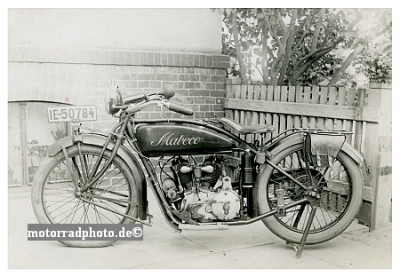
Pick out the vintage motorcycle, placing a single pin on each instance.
(304, 184)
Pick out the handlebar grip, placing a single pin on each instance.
(179, 108)
(131, 99)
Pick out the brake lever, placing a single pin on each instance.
(161, 105)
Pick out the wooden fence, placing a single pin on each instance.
(358, 111)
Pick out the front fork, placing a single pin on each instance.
(83, 180)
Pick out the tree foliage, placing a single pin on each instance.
(307, 46)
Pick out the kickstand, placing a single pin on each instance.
(299, 249)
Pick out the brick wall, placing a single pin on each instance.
(82, 77)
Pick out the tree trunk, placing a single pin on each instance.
(346, 64)
(264, 60)
(237, 48)
(317, 30)
(317, 55)
(288, 48)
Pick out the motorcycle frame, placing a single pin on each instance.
(125, 131)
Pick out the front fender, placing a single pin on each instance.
(99, 139)
(297, 138)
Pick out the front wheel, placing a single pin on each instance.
(339, 190)
(54, 201)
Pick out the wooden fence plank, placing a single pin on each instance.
(351, 97)
(243, 92)
(341, 96)
(270, 93)
(282, 117)
(236, 95)
(368, 114)
(331, 102)
(341, 102)
(270, 97)
(257, 92)
(229, 89)
(351, 100)
(298, 107)
(263, 93)
(324, 96)
(299, 99)
(305, 107)
(275, 116)
(314, 100)
(306, 99)
(323, 101)
(250, 92)
(242, 119)
(291, 98)
(358, 126)
(277, 93)
(257, 115)
(236, 91)
(284, 94)
(263, 96)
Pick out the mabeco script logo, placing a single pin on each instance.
(169, 139)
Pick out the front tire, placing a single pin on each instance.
(339, 187)
(53, 198)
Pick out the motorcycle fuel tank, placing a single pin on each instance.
(173, 139)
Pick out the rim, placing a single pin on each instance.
(334, 185)
(63, 207)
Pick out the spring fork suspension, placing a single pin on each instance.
(83, 164)
(120, 136)
(70, 167)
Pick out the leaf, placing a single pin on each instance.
(335, 23)
(349, 35)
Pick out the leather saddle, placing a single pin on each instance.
(246, 129)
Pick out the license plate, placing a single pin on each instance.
(72, 113)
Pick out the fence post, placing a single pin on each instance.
(377, 150)
(230, 93)
(383, 190)
(229, 85)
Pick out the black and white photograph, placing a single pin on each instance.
(193, 137)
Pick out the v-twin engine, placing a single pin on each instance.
(204, 190)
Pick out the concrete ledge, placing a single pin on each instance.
(116, 57)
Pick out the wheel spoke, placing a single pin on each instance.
(332, 183)
(299, 214)
(62, 206)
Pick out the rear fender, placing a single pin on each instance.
(293, 139)
(297, 138)
(99, 139)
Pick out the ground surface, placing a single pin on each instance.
(246, 247)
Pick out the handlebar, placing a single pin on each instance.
(167, 92)
(175, 107)
(131, 99)
(155, 99)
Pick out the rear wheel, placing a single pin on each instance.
(339, 190)
(54, 201)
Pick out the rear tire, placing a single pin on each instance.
(340, 188)
(53, 198)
